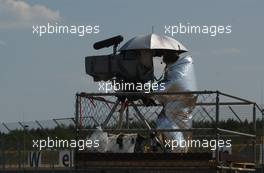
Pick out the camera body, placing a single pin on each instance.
(126, 66)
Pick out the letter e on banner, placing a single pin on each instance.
(66, 158)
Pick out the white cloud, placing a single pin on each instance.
(17, 13)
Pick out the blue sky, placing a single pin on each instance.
(39, 76)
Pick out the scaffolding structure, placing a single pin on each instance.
(216, 115)
(103, 109)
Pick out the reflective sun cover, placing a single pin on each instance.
(179, 77)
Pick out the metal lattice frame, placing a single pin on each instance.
(93, 109)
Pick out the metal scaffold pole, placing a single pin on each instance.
(216, 125)
(77, 100)
(254, 130)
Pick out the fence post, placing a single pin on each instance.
(262, 141)
(77, 100)
(3, 153)
(19, 154)
(216, 125)
(254, 131)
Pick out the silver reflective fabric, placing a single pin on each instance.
(179, 76)
(153, 41)
(128, 143)
(102, 137)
